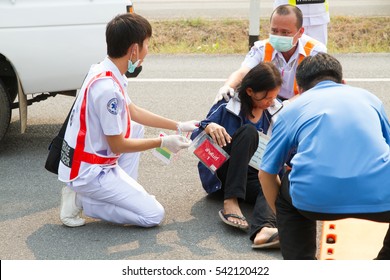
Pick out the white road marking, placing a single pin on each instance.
(202, 80)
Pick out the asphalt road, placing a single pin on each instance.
(180, 87)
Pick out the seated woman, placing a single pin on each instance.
(234, 125)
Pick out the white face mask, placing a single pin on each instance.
(131, 66)
(281, 43)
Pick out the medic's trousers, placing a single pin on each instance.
(115, 195)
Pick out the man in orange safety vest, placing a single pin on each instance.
(286, 46)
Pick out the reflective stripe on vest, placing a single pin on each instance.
(268, 51)
(80, 155)
(294, 3)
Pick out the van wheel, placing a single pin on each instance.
(5, 111)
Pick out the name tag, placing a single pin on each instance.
(258, 155)
(303, 2)
(66, 154)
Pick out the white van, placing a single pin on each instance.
(47, 47)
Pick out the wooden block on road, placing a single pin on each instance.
(354, 239)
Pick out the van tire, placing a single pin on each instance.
(5, 111)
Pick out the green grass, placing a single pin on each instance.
(227, 36)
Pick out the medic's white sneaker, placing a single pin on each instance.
(69, 212)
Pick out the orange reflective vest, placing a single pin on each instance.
(268, 51)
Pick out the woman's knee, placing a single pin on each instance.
(246, 136)
(247, 131)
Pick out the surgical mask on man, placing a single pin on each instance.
(135, 73)
(281, 43)
(132, 66)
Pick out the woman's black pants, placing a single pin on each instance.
(241, 181)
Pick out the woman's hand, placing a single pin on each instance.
(218, 133)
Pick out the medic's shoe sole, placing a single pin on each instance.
(69, 212)
(73, 222)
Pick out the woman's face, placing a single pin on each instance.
(263, 99)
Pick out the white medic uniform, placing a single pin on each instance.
(263, 51)
(315, 17)
(105, 182)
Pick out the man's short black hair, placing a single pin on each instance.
(287, 9)
(125, 30)
(317, 68)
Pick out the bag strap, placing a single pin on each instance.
(61, 133)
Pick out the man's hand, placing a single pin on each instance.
(224, 92)
(187, 126)
(175, 143)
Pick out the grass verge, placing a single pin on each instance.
(202, 36)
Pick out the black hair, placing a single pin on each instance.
(125, 30)
(263, 77)
(317, 68)
(287, 9)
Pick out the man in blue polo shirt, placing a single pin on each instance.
(336, 141)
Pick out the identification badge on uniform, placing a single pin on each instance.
(66, 154)
(255, 161)
(303, 2)
(112, 106)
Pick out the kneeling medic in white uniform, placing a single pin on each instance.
(104, 137)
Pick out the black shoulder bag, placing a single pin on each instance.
(54, 156)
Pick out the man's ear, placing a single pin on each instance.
(136, 49)
(132, 50)
(343, 82)
(300, 32)
(300, 90)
